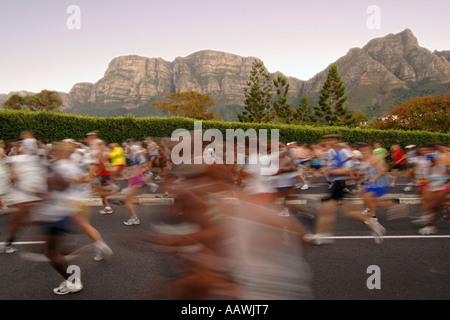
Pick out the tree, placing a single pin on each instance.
(303, 114)
(189, 104)
(356, 119)
(282, 109)
(258, 95)
(15, 102)
(331, 108)
(44, 100)
(428, 113)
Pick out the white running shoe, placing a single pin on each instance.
(7, 249)
(378, 231)
(284, 213)
(305, 187)
(66, 287)
(132, 221)
(319, 238)
(102, 251)
(428, 230)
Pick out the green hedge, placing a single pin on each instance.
(56, 126)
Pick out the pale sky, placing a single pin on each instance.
(296, 37)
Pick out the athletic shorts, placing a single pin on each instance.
(104, 180)
(59, 227)
(316, 163)
(378, 191)
(399, 167)
(337, 191)
(119, 166)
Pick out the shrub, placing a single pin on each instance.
(56, 126)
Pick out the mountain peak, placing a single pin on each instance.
(408, 38)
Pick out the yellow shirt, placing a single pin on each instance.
(117, 156)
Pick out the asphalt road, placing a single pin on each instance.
(411, 267)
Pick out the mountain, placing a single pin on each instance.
(386, 72)
(131, 82)
(382, 74)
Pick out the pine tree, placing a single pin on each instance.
(331, 108)
(258, 95)
(303, 113)
(282, 109)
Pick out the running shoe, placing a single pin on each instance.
(7, 249)
(66, 287)
(106, 211)
(428, 230)
(132, 221)
(318, 239)
(284, 213)
(378, 231)
(102, 251)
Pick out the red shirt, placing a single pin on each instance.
(397, 155)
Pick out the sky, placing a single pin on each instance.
(45, 44)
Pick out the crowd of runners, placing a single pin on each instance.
(50, 182)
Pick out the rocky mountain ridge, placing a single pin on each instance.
(376, 76)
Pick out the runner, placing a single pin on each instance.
(339, 170)
(103, 173)
(300, 155)
(117, 158)
(411, 157)
(153, 153)
(82, 186)
(379, 151)
(29, 185)
(398, 163)
(136, 181)
(4, 178)
(375, 185)
(63, 203)
(435, 192)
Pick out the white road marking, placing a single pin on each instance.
(390, 237)
(24, 242)
(435, 236)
